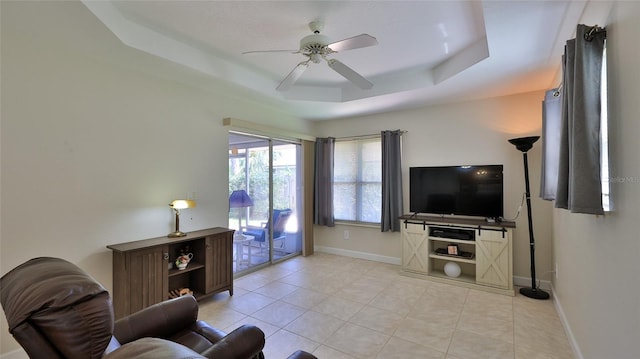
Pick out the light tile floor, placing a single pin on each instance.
(339, 307)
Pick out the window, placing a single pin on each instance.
(357, 180)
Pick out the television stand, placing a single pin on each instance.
(482, 250)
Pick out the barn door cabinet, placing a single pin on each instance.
(482, 251)
(144, 271)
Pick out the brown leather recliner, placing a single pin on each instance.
(56, 310)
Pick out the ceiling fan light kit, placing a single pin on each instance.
(318, 47)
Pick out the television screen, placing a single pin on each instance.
(457, 190)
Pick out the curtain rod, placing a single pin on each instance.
(373, 135)
(557, 91)
(589, 35)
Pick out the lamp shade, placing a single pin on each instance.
(182, 203)
(240, 198)
(177, 205)
(524, 144)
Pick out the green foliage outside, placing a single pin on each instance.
(258, 183)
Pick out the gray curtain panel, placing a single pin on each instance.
(579, 185)
(391, 180)
(551, 121)
(323, 183)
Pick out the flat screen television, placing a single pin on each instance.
(457, 190)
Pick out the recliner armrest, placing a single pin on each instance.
(153, 348)
(159, 320)
(212, 334)
(246, 341)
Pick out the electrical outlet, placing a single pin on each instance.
(346, 235)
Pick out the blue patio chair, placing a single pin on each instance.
(260, 234)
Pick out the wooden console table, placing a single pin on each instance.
(144, 272)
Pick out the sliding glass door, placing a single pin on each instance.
(264, 199)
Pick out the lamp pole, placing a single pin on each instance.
(524, 144)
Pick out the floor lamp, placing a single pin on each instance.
(240, 199)
(524, 144)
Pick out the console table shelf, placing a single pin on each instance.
(464, 278)
(192, 266)
(144, 272)
(489, 265)
(449, 240)
(452, 258)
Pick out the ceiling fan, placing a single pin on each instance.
(317, 48)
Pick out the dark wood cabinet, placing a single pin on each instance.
(144, 272)
(218, 265)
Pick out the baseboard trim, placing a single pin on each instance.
(567, 328)
(358, 254)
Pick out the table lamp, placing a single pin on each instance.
(177, 205)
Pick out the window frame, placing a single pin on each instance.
(359, 183)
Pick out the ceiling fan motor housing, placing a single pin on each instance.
(314, 44)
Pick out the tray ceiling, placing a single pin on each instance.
(428, 52)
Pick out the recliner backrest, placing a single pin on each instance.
(56, 310)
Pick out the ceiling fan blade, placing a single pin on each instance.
(293, 76)
(356, 42)
(349, 74)
(261, 51)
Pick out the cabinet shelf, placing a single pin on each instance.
(452, 240)
(452, 258)
(198, 295)
(463, 278)
(191, 267)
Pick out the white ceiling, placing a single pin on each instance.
(428, 52)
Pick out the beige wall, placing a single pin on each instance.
(456, 134)
(93, 149)
(598, 256)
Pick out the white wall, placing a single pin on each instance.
(93, 151)
(456, 134)
(598, 256)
